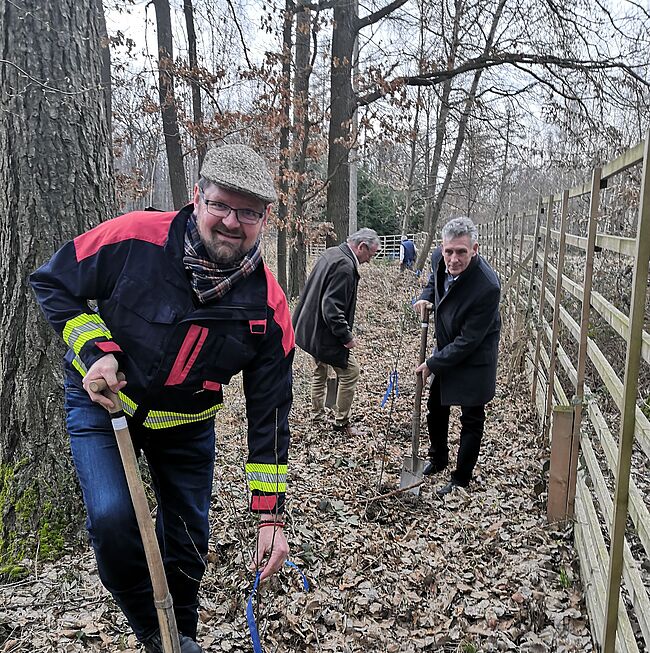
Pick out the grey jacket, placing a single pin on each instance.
(468, 326)
(324, 317)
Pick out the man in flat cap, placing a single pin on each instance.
(184, 302)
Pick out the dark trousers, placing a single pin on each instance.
(472, 419)
(181, 463)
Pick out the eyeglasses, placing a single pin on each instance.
(221, 210)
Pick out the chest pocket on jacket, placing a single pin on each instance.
(207, 356)
(143, 300)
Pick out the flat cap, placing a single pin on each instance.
(239, 168)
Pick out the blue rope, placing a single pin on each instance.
(393, 386)
(250, 613)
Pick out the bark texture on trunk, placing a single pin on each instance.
(57, 180)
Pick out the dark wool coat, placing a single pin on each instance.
(324, 317)
(467, 326)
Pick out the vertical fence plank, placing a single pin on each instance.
(578, 400)
(556, 314)
(540, 312)
(511, 261)
(519, 259)
(626, 440)
(533, 262)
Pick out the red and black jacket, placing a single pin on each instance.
(175, 353)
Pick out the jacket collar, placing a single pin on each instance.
(345, 248)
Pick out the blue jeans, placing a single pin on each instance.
(181, 463)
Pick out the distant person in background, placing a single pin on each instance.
(407, 254)
(324, 318)
(464, 292)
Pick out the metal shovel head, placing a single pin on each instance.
(412, 474)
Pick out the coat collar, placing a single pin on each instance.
(345, 248)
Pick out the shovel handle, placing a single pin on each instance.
(162, 596)
(424, 332)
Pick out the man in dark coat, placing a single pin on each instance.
(464, 292)
(324, 318)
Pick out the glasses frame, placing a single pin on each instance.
(208, 204)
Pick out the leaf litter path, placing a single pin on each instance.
(478, 571)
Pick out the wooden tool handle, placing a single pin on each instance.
(100, 385)
(162, 597)
(415, 432)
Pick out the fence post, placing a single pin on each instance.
(560, 473)
(626, 439)
(578, 399)
(542, 292)
(556, 313)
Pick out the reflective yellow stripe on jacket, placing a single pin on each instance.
(159, 419)
(79, 330)
(267, 478)
(163, 419)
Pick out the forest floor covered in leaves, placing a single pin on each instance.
(478, 571)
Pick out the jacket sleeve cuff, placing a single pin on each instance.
(268, 484)
(92, 351)
(267, 503)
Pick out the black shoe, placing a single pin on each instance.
(447, 489)
(188, 645)
(433, 467)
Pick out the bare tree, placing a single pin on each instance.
(285, 156)
(302, 126)
(197, 107)
(343, 103)
(168, 110)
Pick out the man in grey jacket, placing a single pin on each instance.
(324, 318)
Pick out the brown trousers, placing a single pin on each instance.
(347, 383)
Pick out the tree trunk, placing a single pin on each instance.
(342, 105)
(168, 111)
(285, 156)
(57, 180)
(198, 129)
(297, 250)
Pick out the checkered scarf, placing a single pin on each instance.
(208, 280)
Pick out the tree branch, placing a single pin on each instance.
(241, 33)
(378, 15)
(517, 59)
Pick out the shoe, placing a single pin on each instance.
(433, 467)
(348, 430)
(447, 489)
(188, 645)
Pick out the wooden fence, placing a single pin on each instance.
(574, 274)
(388, 245)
